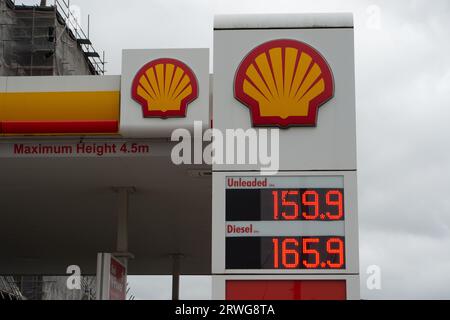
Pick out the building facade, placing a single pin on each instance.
(44, 41)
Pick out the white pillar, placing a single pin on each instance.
(176, 262)
(122, 251)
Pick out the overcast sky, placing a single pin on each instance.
(403, 111)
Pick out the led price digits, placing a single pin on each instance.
(313, 218)
(324, 205)
(308, 253)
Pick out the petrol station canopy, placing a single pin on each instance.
(58, 212)
(61, 209)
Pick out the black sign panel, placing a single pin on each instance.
(285, 253)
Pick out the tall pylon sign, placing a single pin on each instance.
(291, 233)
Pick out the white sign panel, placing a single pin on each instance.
(163, 90)
(289, 72)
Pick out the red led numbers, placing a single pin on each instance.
(290, 257)
(313, 256)
(290, 209)
(313, 253)
(310, 205)
(310, 201)
(335, 246)
(334, 198)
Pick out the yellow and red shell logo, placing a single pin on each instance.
(283, 83)
(164, 88)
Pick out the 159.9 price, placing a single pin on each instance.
(311, 204)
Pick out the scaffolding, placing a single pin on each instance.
(55, 288)
(9, 290)
(45, 40)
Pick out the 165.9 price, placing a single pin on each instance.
(309, 253)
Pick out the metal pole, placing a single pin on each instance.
(176, 260)
(32, 43)
(55, 39)
(122, 223)
(103, 63)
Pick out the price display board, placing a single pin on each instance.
(285, 223)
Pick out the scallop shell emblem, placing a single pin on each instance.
(283, 83)
(164, 88)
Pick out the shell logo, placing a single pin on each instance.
(164, 88)
(283, 83)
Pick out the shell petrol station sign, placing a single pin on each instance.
(290, 234)
(158, 92)
(163, 90)
(283, 83)
(293, 234)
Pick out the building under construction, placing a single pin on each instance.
(9, 289)
(45, 40)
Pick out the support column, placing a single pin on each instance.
(176, 262)
(122, 251)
